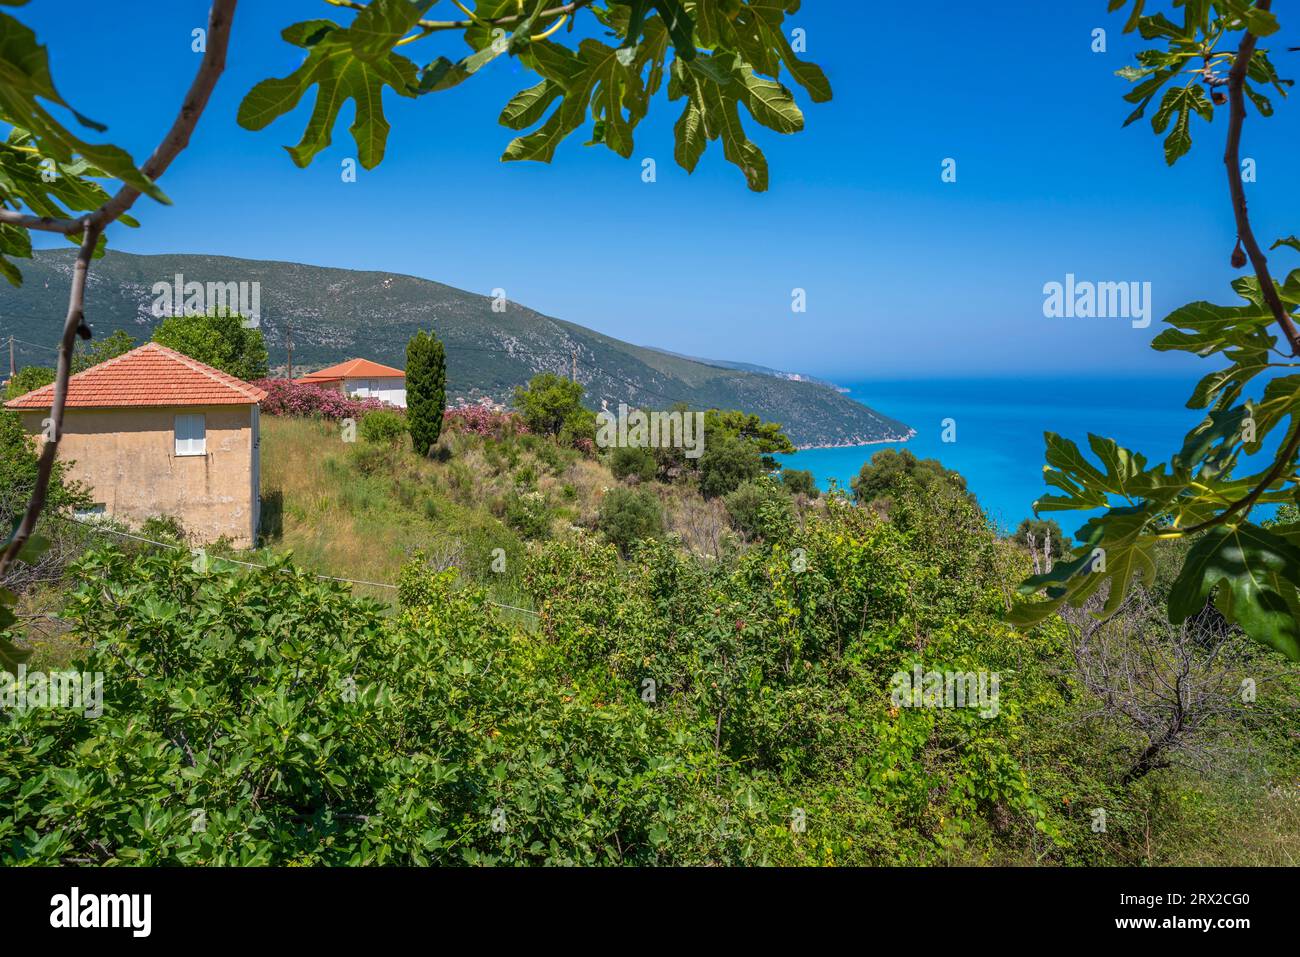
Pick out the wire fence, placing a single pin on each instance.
(100, 529)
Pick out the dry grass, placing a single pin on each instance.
(359, 511)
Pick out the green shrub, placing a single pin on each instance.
(552, 405)
(760, 509)
(628, 460)
(628, 516)
(727, 463)
(300, 726)
(800, 482)
(219, 339)
(28, 379)
(164, 528)
(382, 426)
(370, 459)
(892, 471)
(528, 514)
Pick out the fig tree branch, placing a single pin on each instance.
(1232, 160)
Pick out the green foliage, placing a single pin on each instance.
(760, 508)
(382, 426)
(101, 350)
(29, 379)
(783, 662)
(661, 710)
(18, 470)
(165, 528)
(727, 463)
(38, 145)
(894, 470)
(800, 482)
(628, 516)
(1195, 50)
(426, 389)
(629, 460)
(724, 56)
(528, 513)
(1043, 532)
(300, 726)
(219, 339)
(730, 423)
(1250, 573)
(552, 405)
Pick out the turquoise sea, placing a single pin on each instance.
(999, 430)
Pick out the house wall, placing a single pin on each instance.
(391, 390)
(128, 459)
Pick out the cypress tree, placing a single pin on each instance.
(426, 389)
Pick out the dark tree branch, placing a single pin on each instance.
(90, 227)
(1232, 160)
(45, 465)
(1246, 235)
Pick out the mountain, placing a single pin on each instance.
(761, 370)
(335, 314)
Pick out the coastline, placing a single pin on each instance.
(911, 433)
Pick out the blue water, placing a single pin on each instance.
(1000, 425)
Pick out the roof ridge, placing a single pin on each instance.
(348, 367)
(224, 378)
(164, 374)
(49, 386)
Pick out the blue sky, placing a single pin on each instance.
(905, 275)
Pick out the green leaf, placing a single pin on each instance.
(25, 81)
(11, 656)
(334, 66)
(442, 74)
(381, 24)
(1262, 23)
(1118, 550)
(1289, 241)
(595, 81)
(1145, 92)
(528, 106)
(1256, 573)
(1262, 103)
(1178, 104)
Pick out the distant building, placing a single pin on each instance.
(363, 379)
(153, 432)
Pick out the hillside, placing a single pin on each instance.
(335, 314)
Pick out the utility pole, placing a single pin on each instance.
(289, 343)
(13, 371)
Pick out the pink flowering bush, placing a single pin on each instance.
(480, 420)
(286, 397)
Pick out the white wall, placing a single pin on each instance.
(392, 390)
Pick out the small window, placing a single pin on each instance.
(191, 435)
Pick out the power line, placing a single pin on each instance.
(596, 372)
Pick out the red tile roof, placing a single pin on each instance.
(151, 375)
(353, 369)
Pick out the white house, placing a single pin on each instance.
(363, 379)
